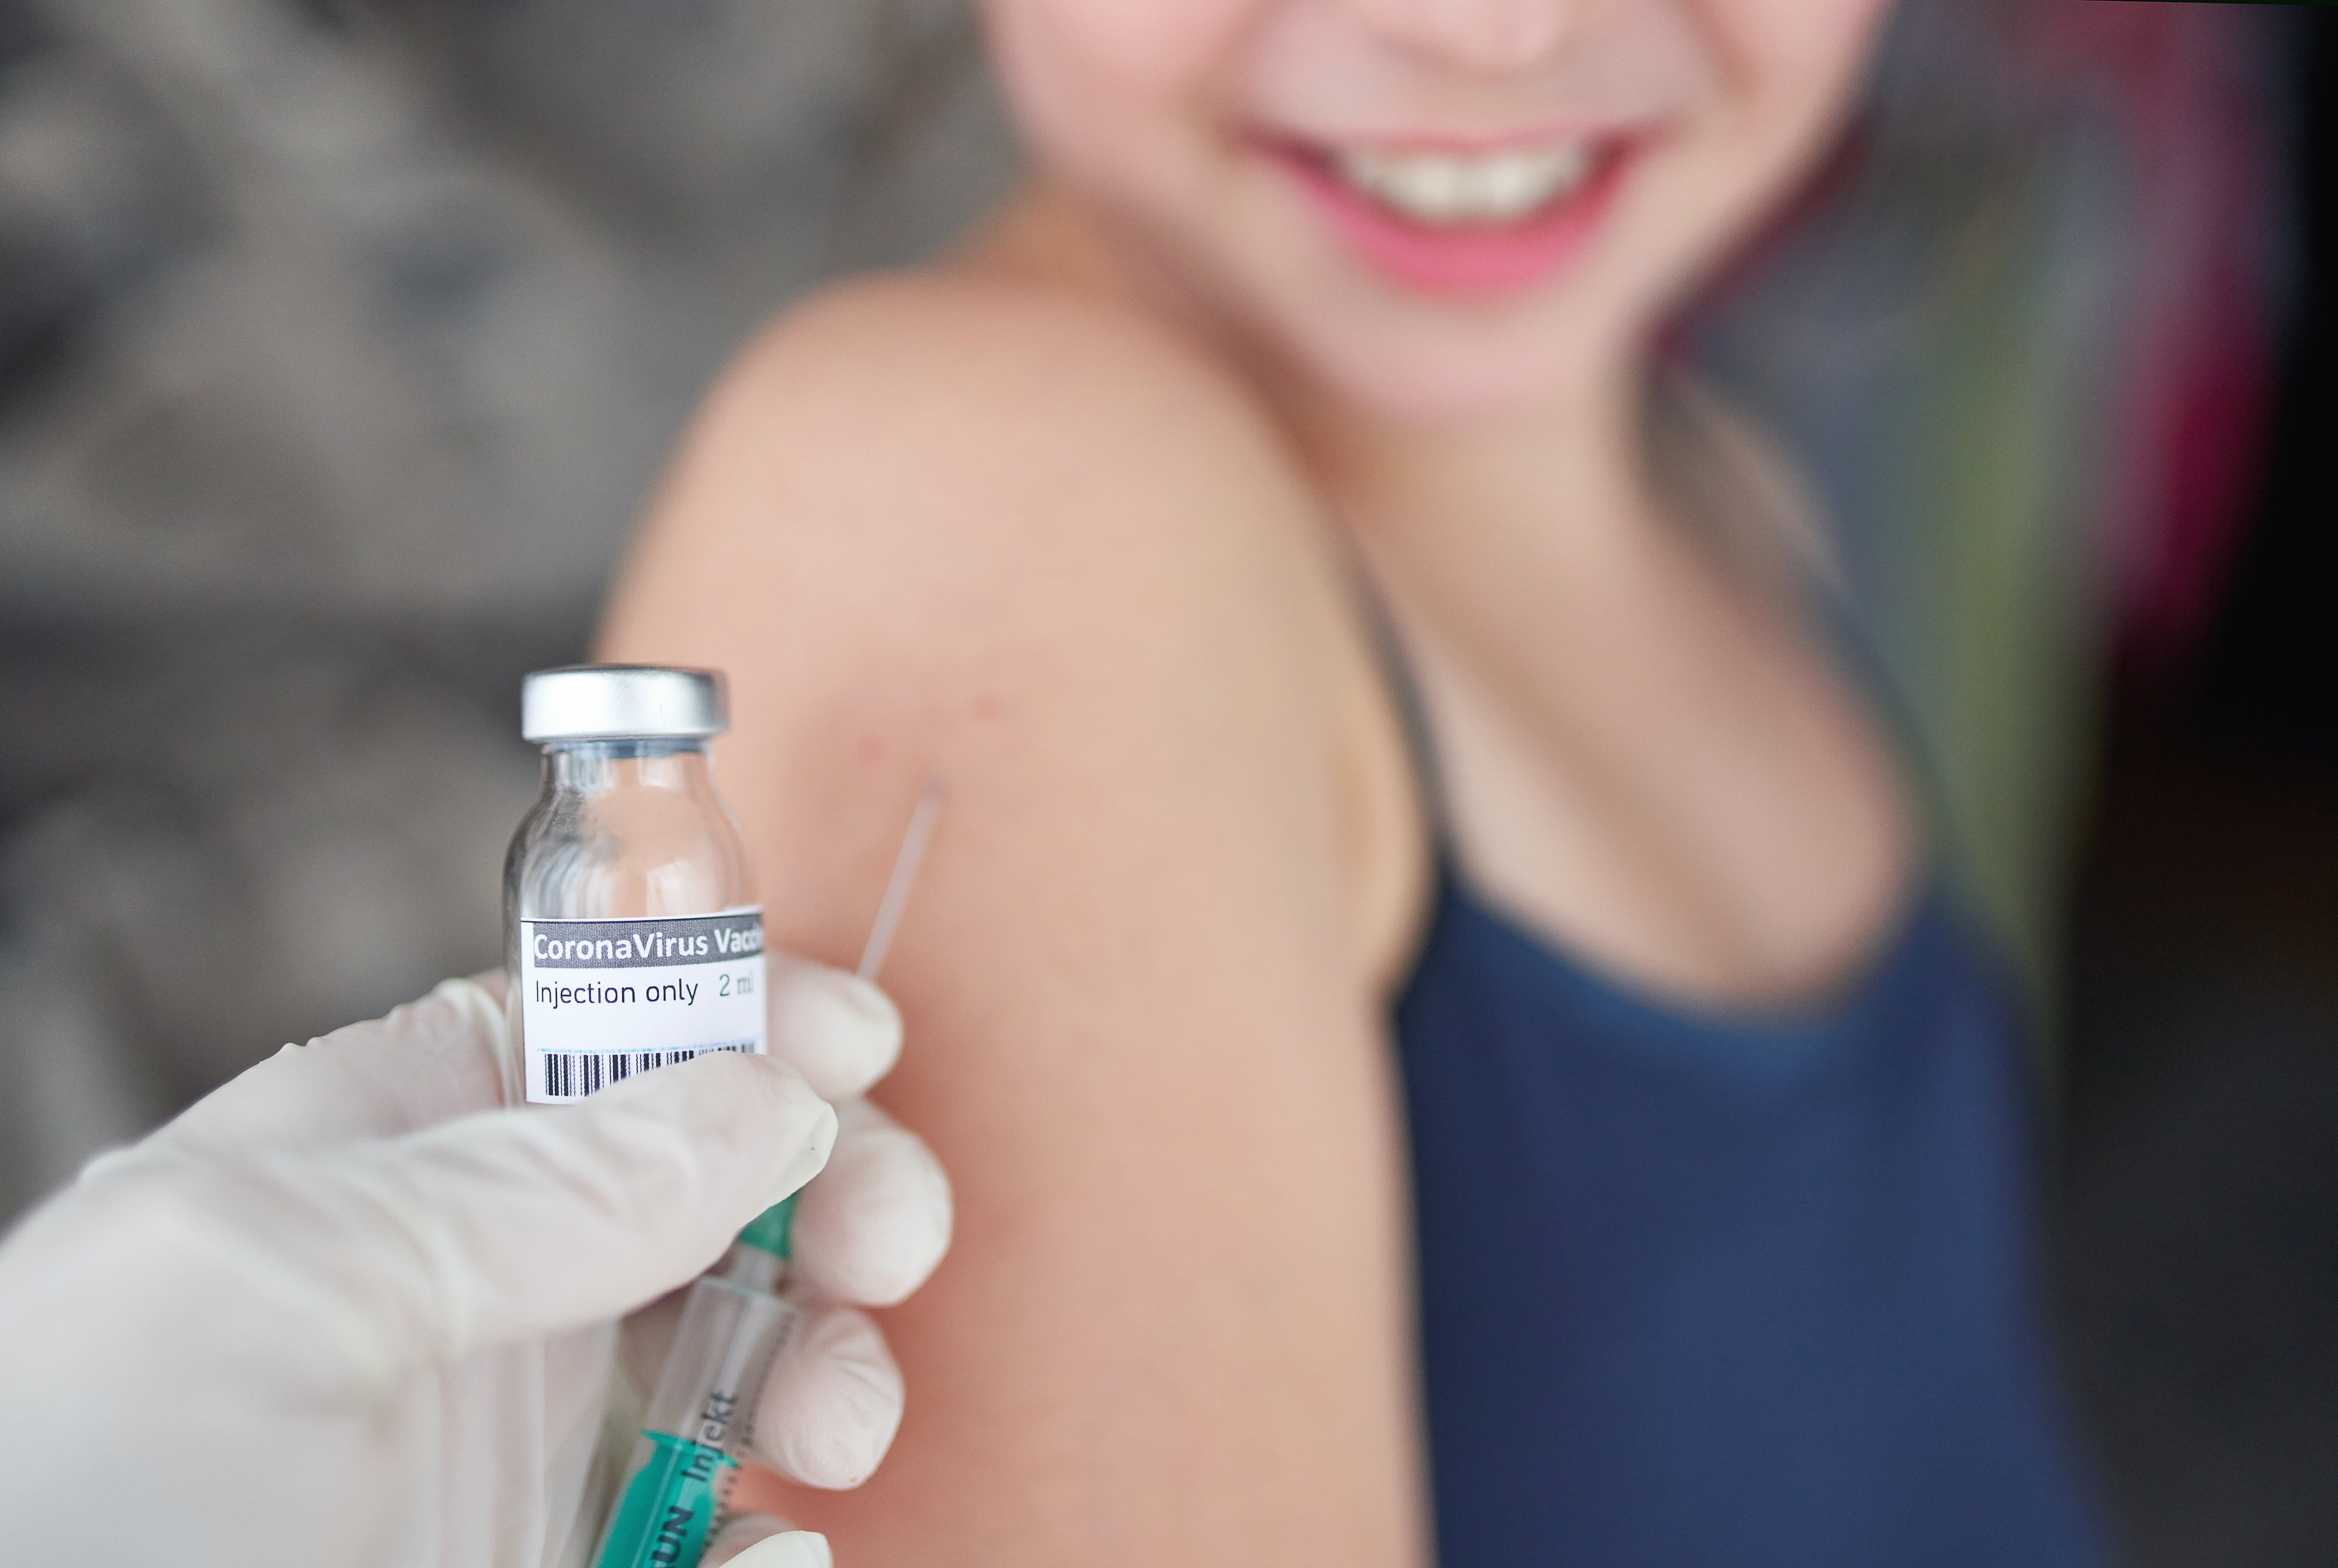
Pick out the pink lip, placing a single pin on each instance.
(1460, 259)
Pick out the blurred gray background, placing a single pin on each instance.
(337, 346)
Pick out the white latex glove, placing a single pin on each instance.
(346, 1309)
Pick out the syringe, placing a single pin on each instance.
(734, 1324)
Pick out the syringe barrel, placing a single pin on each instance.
(700, 1419)
(721, 1353)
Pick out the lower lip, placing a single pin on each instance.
(1462, 260)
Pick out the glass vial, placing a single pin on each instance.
(631, 936)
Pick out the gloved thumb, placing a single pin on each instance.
(407, 1253)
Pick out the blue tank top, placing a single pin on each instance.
(1711, 1294)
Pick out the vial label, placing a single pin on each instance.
(601, 1000)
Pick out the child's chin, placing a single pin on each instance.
(1428, 374)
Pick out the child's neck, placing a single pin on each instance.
(1548, 495)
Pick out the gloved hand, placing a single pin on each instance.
(346, 1309)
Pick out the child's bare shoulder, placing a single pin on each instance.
(996, 379)
(950, 447)
(936, 496)
(919, 437)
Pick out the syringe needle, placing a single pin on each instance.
(905, 872)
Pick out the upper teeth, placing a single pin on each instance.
(1458, 188)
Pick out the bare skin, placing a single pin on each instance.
(1016, 522)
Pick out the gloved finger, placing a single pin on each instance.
(877, 1222)
(428, 1061)
(839, 1032)
(760, 1541)
(832, 1402)
(411, 1252)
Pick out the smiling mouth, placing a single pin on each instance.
(1442, 190)
(1460, 221)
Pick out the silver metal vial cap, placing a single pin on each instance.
(623, 703)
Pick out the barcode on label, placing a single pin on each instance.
(573, 1075)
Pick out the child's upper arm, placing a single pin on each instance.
(932, 531)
